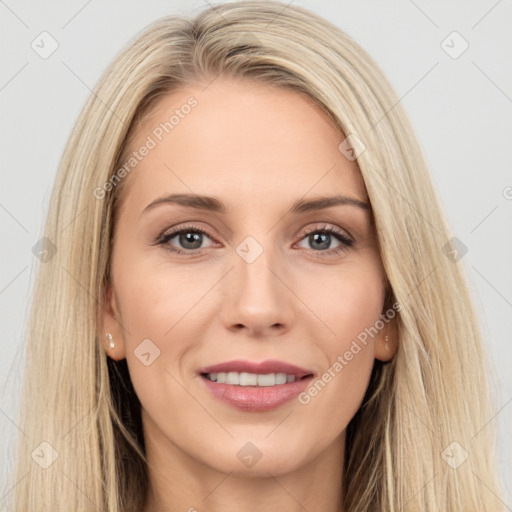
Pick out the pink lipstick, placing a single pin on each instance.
(255, 387)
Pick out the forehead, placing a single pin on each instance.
(245, 141)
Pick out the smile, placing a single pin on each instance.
(255, 386)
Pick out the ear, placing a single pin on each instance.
(389, 330)
(110, 322)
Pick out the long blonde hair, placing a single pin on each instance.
(430, 405)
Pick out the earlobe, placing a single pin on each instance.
(110, 330)
(386, 344)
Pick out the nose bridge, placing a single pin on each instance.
(252, 268)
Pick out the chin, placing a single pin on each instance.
(257, 457)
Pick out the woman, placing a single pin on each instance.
(252, 302)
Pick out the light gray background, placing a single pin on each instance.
(461, 109)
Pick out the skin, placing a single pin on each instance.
(257, 149)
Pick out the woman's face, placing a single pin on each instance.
(258, 274)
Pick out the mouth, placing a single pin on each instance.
(255, 387)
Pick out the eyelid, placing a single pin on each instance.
(330, 228)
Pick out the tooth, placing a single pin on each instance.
(280, 378)
(267, 380)
(248, 379)
(232, 378)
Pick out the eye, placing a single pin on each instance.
(188, 239)
(320, 238)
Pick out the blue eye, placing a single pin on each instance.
(189, 240)
(320, 238)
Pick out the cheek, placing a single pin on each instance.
(164, 317)
(349, 302)
(153, 300)
(346, 300)
(158, 343)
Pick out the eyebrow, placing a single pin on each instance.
(212, 204)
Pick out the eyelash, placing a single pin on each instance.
(346, 242)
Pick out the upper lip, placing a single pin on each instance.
(263, 367)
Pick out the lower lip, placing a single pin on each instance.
(257, 398)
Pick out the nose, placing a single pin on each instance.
(258, 297)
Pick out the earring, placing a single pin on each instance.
(387, 340)
(109, 339)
